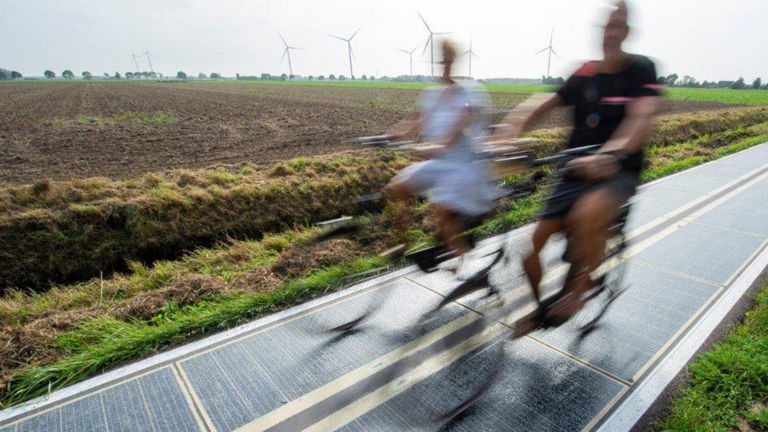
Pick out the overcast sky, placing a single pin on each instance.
(702, 38)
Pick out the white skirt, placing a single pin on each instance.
(460, 186)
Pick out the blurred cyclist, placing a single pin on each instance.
(454, 179)
(614, 102)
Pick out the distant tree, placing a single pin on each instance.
(661, 80)
(202, 75)
(181, 75)
(87, 75)
(705, 84)
(3, 75)
(364, 78)
(672, 79)
(215, 75)
(117, 75)
(129, 75)
(739, 84)
(15, 75)
(321, 78)
(342, 78)
(68, 74)
(49, 74)
(310, 77)
(283, 77)
(237, 75)
(266, 76)
(332, 77)
(372, 78)
(757, 83)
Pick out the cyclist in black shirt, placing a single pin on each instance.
(614, 101)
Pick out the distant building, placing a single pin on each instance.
(725, 84)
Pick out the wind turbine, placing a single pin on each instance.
(471, 54)
(551, 50)
(149, 60)
(135, 62)
(410, 55)
(430, 43)
(349, 46)
(287, 52)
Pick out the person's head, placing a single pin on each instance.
(616, 30)
(449, 56)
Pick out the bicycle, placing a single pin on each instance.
(608, 287)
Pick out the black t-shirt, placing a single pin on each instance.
(600, 101)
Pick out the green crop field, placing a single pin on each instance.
(738, 97)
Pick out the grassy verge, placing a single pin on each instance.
(728, 386)
(72, 230)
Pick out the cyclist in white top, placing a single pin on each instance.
(454, 179)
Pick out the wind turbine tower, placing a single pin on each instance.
(471, 54)
(551, 50)
(349, 47)
(410, 56)
(430, 44)
(149, 60)
(135, 62)
(287, 52)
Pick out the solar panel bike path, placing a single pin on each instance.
(698, 242)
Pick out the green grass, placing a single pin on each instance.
(728, 386)
(104, 341)
(738, 97)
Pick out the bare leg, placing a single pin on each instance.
(588, 224)
(532, 263)
(451, 231)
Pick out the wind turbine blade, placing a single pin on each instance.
(553, 52)
(441, 33)
(355, 33)
(426, 45)
(339, 38)
(475, 56)
(424, 21)
(414, 49)
(539, 52)
(400, 49)
(351, 51)
(282, 39)
(465, 53)
(284, 53)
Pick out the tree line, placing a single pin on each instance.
(674, 80)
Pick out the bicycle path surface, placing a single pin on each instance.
(698, 242)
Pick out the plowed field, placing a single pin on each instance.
(118, 130)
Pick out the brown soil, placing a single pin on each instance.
(119, 130)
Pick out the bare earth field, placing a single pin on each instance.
(118, 130)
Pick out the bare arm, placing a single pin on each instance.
(526, 115)
(408, 129)
(629, 138)
(634, 130)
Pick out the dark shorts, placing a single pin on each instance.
(623, 184)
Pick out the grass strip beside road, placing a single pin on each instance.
(99, 342)
(728, 385)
